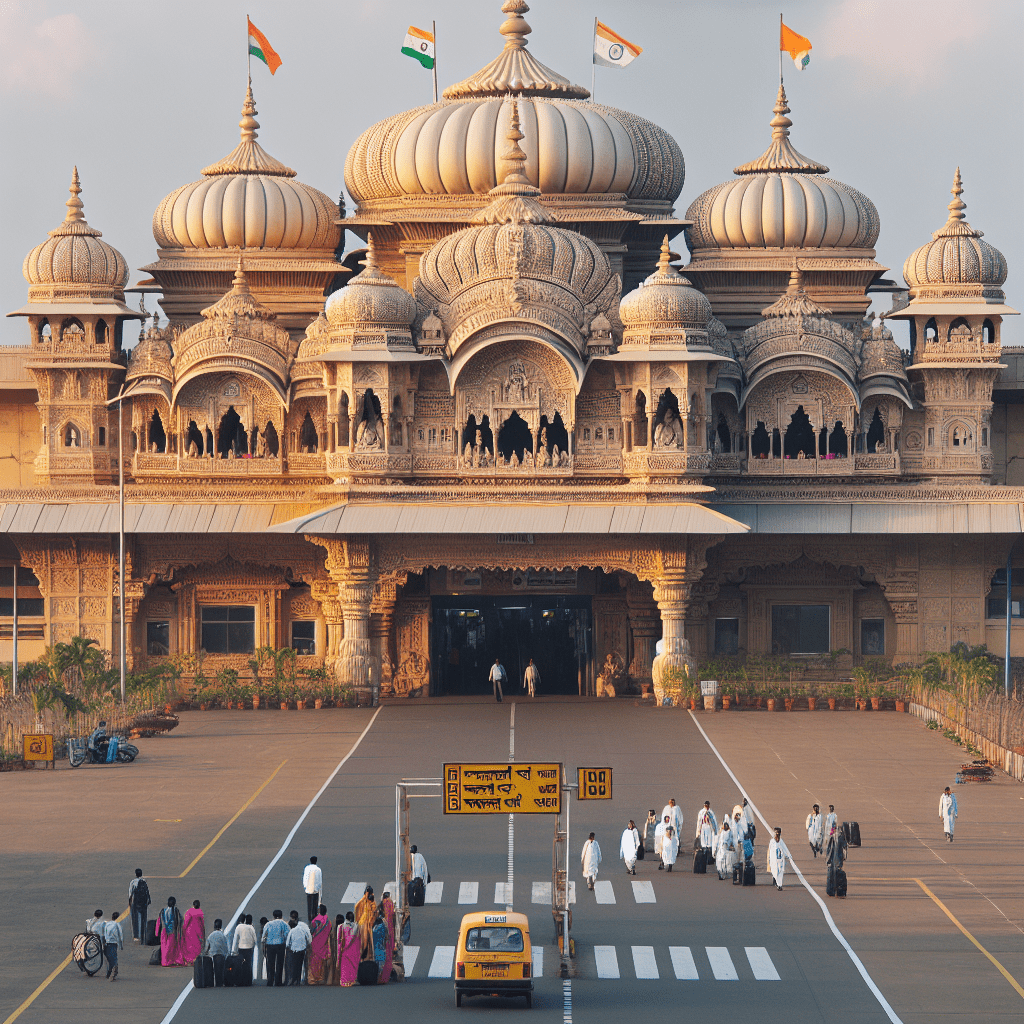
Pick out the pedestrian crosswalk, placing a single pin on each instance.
(716, 963)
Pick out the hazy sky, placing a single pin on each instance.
(142, 95)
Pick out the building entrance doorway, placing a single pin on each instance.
(468, 633)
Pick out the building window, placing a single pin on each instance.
(727, 636)
(598, 434)
(611, 433)
(984, 437)
(586, 433)
(800, 629)
(304, 636)
(103, 436)
(229, 629)
(432, 435)
(872, 637)
(158, 638)
(30, 602)
(419, 434)
(931, 437)
(996, 604)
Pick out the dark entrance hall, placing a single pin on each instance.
(468, 633)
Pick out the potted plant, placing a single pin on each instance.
(812, 700)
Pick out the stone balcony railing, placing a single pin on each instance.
(156, 464)
(665, 462)
(839, 466)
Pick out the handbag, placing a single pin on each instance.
(154, 960)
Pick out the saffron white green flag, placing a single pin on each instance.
(419, 44)
(611, 50)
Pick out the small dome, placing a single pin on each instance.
(151, 357)
(782, 200)
(956, 254)
(247, 200)
(879, 354)
(74, 256)
(371, 297)
(666, 297)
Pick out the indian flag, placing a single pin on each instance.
(798, 47)
(611, 50)
(419, 45)
(259, 46)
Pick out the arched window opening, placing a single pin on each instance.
(478, 435)
(308, 439)
(253, 440)
(984, 437)
(876, 432)
(72, 436)
(641, 419)
(931, 332)
(838, 443)
(822, 442)
(209, 442)
(555, 434)
(760, 442)
(514, 438)
(931, 437)
(134, 441)
(72, 326)
(343, 424)
(227, 434)
(960, 436)
(193, 436)
(396, 421)
(44, 331)
(273, 445)
(724, 437)
(101, 332)
(799, 440)
(958, 325)
(988, 332)
(103, 437)
(157, 436)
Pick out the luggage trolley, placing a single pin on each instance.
(87, 952)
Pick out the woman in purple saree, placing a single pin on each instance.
(319, 950)
(349, 945)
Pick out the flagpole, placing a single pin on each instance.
(433, 31)
(780, 49)
(248, 55)
(593, 69)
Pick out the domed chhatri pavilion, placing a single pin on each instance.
(504, 421)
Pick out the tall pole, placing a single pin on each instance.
(593, 64)
(120, 536)
(14, 635)
(780, 49)
(433, 32)
(1009, 607)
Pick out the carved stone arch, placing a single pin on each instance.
(207, 397)
(71, 434)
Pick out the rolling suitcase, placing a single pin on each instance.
(841, 884)
(202, 972)
(830, 881)
(749, 873)
(851, 829)
(367, 972)
(700, 862)
(237, 973)
(737, 874)
(417, 892)
(151, 939)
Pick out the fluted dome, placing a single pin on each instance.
(782, 200)
(371, 297)
(247, 200)
(74, 260)
(572, 146)
(956, 255)
(665, 298)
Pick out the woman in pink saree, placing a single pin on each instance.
(319, 950)
(349, 945)
(168, 930)
(193, 934)
(387, 913)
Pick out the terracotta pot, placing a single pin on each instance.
(901, 706)
(726, 701)
(168, 709)
(255, 703)
(709, 703)
(789, 701)
(300, 705)
(204, 707)
(831, 703)
(318, 704)
(693, 703)
(284, 705)
(875, 703)
(771, 703)
(812, 703)
(864, 704)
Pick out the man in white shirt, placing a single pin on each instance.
(707, 826)
(217, 948)
(243, 942)
(312, 883)
(628, 847)
(947, 813)
(778, 853)
(113, 940)
(298, 942)
(590, 860)
(815, 830)
(831, 822)
(96, 924)
(419, 865)
(497, 677)
(531, 678)
(675, 815)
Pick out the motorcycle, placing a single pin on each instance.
(107, 750)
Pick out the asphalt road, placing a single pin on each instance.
(163, 810)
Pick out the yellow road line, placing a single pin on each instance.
(207, 847)
(942, 906)
(60, 967)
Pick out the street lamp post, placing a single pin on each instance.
(122, 629)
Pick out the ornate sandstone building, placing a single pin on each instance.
(506, 424)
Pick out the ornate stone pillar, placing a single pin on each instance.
(645, 629)
(382, 621)
(672, 595)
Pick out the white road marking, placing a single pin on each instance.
(538, 961)
(644, 963)
(409, 955)
(603, 892)
(441, 965)
(607, 962)
(541, 893)
(353, 892)
(572, 892)
(502, 893)
(468, 892)
(682, 963)
(721, 963)
(432, 892)
(643, 892)
(761, 964)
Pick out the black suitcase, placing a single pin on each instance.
(749, 874)
(237, 973)
(737, 874)
(151, 939)
(841, 884)
(202, 972)
(830, 881)
(700, 862)
(367, 972)
(851, 829)
(417, 892)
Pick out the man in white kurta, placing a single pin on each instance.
(777, 854)
(590, 860)
(831, 822)
(628, 846)
(531, 678)
(947, 812)
(725, 850)
(669, 847)
(815, 830)
(659, 838)
(675, 816)
(707, 826)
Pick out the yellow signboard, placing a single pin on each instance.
(37, 747)
(503, 788)
(594, 784)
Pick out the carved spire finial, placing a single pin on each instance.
(780, 123)
(249, 157)
(780, 154)
(956, 223)
(370, 259)
(957, 206)
(515, 28)
(514, 155)
(249, 124)
(74, 204)
(240, 285)
(665, 259)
